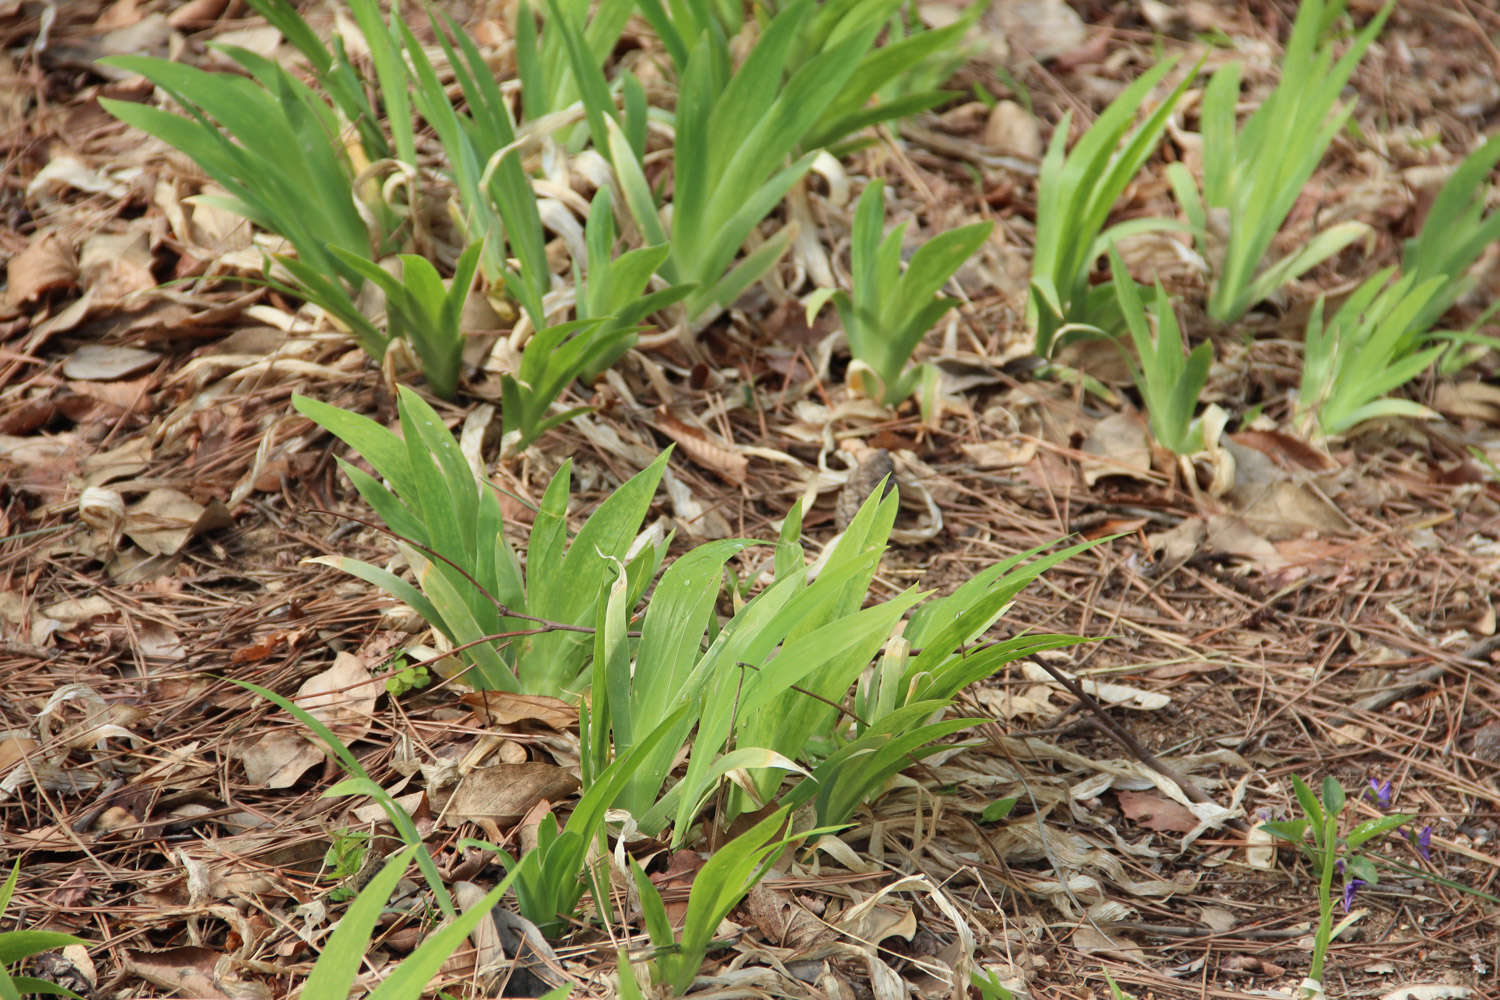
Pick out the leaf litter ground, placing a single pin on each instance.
(1327, 615)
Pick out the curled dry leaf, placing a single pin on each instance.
(781, 919)
(164, 520)
(14, 747)
(103, 510)
(342, 697)
(1000, 454)
(503, 793)
(1473, 400)
(196, 12)
(1091, 941)
(115, 266)
(1430, 991)
(79, 610)
(706, 450)
(875, 466)
(192, 971)
(46, 264)
(260, 648)
(107, 362)
(506, 708)
(279, 759)
(69, 172)
(1110, 694)
(873, 922)
(697, 519)
(1252, 964)
(1118, 445)
(1012, 131)
(1155, 812)
(58, 726)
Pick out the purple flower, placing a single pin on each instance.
(1380, 791)
(1424, 843)
(1350, 888)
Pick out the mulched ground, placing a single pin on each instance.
(1332, 614)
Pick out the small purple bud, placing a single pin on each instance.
(1350, 888)
(1424, 843)
(1380, 791)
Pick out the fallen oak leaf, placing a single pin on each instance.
(1155, 812)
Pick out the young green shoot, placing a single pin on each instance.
(888, 310)
(1076, 193)
(1317, 837)
(1169, 382)
(1371, 347)
(1252, 176)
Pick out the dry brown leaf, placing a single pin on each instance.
(1472, 399)
(259, 649)
(504, 793)
(195, 13)
(1050, 472)
(27, 415)
(44, 838)
(1118, 445)
(279, 759)
(1429, 991)
(875, 467)
(1042, 28)
(1094, 942)
(120, 14)
(1218, 918)
(73, 892)
(782, 920)
(342, 697)
(46, 264)
(1231, 535)
(1000, 454)
(164, 520)
(1109, 693)
(1272, 502)
(129, 459)
(1011, 702)
(190, 971)
(1172, 671)
(1251, 963)
(148, 36)
(1012, 131)
(675, 883)
(67, 172)
(115, 266)
(1115, 526)
(707, 451)
(415, 804)
(1155, 812)
(261, 39)
(1287, 449)
(78, 610)
(1180, 542)
(872, 922)
(105, 362)
(108, 400)
(506, 708)
(14, 747)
